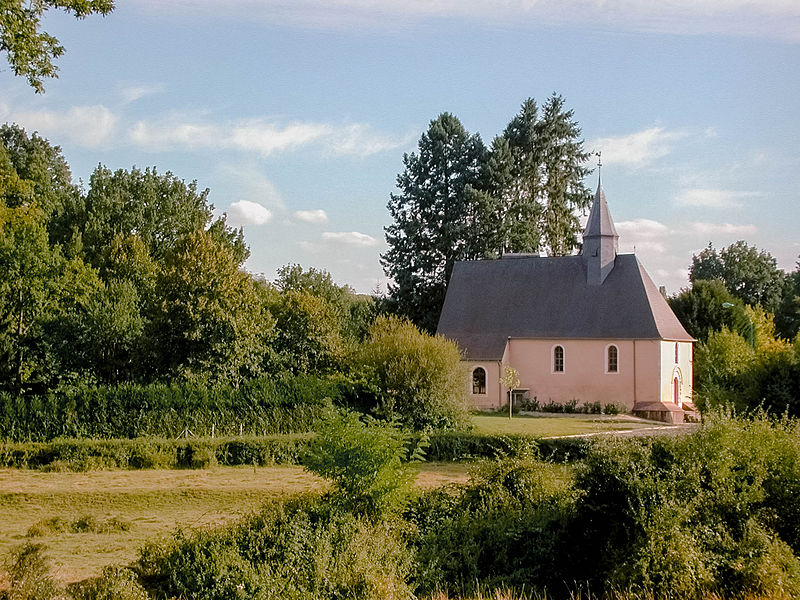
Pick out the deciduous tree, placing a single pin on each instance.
(31, 51)
(750, 274)
(209, 324)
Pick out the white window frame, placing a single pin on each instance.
(553, 370)
(485, 381)
(606, 359)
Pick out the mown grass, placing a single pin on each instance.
(151, 503)
(558, 425)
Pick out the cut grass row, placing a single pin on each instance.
(493, 436)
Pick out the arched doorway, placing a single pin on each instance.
(676, 391)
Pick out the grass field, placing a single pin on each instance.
(554, 425)
(153, 503)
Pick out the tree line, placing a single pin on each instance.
(128, 283)
(134, 279)
(745, 314)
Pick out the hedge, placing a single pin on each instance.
(152, 453)
(196, 453)
(263, 406)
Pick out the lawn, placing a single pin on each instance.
(152, 503)
(557, 425)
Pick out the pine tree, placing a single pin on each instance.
(433, 216)
(460, 201)
(537, 171)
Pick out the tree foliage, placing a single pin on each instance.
(31, 51)
(538, 173)
(367, 461)
(460, 201)
(787, 319)
(433, 215)
(703, 308)
(418, 378)
(749, 274)
(29, 266)
(208, 324)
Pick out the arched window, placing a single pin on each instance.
(558, 359)
(612, 364)
(479, 381)
(676, 353)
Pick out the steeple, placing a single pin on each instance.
(600, 240)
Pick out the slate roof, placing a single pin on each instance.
(600, 222)
(548, 297)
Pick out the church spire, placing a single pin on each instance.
(600, 240)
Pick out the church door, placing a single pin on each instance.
(676, 391)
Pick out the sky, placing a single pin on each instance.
(296, 113)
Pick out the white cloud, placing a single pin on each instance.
(261, 136)
(245, 212)
(636, 149)
(359, 139)
(723, 229)
(350, 238)
(132, 92)
(713, 198)
(86, 126)
(642, 234)
(766, 18)
(311, 216)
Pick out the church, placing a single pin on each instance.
(586, 328)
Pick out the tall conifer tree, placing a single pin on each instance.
(460, 201)
(432, 214)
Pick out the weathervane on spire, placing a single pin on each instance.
(599, 164)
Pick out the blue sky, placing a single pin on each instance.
(296, 113)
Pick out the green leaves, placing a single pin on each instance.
(366, 460)
(433, 215)
(419, 378)
(749, 274)
(460, 201)
(209, 323)
(31, 51)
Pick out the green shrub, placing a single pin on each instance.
(366, 460)
(298, 550)
(115, 583)
(692, 515)
(151, 453)
(505, 529)
(467, 445)
(266, 405)
(412, 376)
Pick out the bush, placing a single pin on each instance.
(693, 515)
(366, 460)
(504, 529)
(298, 550)
(413, 377)
(116, 583)
(467, 445)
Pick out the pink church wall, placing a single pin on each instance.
(585, 376)
(489, 400)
